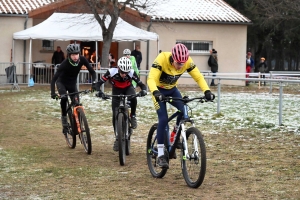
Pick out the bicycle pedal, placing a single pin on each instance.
(65, 130)
(174, 155)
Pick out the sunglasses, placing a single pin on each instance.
(127, 55)
(121, 72)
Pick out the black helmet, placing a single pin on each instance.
(73, 48)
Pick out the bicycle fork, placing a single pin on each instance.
(186, 155)
(77, 119)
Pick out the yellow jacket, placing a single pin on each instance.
(164, 75)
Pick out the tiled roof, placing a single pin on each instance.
(21, 6)
(194, 10)
(164, 10)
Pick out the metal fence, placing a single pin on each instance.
(42, 73)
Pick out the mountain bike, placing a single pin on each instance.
(123, 124)
(77, 123)
(188, 139)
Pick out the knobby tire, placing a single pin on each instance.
(85, 135)
(121, 130)
(194, 169)
(151, 152)
(70, 136)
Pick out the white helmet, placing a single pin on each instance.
(126, 52)
(124, 64)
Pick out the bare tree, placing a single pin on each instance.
(112, 8)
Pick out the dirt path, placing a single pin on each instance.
(35, 162)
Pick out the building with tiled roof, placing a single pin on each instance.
(200, 24)
(21, 6)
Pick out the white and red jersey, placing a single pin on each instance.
(113, 76)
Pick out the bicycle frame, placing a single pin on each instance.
(123, 105)
(78, 124)
(122, 131)
(182, 130)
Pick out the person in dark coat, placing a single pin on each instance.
(138, 56)
(262, 68)
(213, 64)
(58, 56)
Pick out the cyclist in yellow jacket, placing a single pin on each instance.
(162, 81)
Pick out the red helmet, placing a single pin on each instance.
(180, 53)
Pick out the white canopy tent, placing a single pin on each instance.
(82, 27)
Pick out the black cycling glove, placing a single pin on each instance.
(143, 93)
(209, 96)
(158, 96)
(100, 94)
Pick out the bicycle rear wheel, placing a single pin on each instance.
(152, 153)
(122, 127)
(70, 135)
(85, 136)
(194, 165)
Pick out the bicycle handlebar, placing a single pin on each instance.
(186, 99)
(73, 93)
(107, 96)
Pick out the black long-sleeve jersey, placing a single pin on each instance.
(67, 73)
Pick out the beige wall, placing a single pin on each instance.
(229, 40)
(8, 26)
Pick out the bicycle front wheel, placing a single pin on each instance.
(69, 132)
(84, 135)
(127, 146)
(122, 127)
(194, 165)
(152, 153)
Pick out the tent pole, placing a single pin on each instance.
(15, 85)
(13, 51)
(97, 60)
(29, 61)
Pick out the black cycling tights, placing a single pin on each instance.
(62, 89)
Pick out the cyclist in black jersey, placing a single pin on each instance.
(66, 78)
(121, 80)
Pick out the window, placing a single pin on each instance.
(197, 46)
(48, 45)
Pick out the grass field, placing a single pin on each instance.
(248, 155)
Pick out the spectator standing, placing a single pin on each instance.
(263, 68)
(58, 56)
(86, 53)
(213, 64)
(249, 65)
(127, 53)
(111, 60)
(138, 56)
